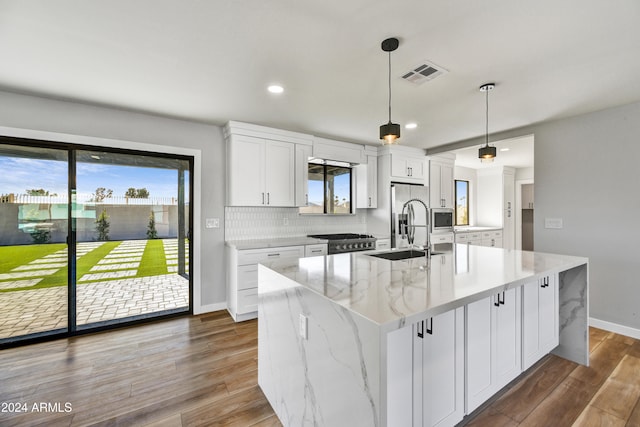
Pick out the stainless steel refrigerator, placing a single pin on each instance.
(401, 194)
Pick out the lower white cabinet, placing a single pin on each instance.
(426, 372)
(438, 355)
(540, 329)
(242, 277)
(493, 345)
(315, 250)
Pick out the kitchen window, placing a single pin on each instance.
(462, 202)
(329, 189)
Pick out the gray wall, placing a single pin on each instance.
(586, 172)
(42, 114)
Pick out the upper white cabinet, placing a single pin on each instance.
(441, 182)
(403, 164)
(367, 181)
(527, 196)
(303, 152)
(540, 329)
(265, 166)
(494, 345)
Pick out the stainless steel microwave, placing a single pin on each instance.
(441, 220)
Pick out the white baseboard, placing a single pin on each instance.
(614, 327)
(210, 308)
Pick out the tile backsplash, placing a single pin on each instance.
(247, 223)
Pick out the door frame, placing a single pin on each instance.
(70, 143)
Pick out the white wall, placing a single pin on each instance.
(468, 174)
(35, 117)
(586, 173)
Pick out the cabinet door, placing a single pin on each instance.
(246, 171)
(280, 173)
(435, 182)
(415, 168)
(400, 376)
(367, 183)
(479, 385)
(372, 181)
(446, 185)
(399, 166)
(548, 328)
(303, 152)
(443, 370)
(508, 340)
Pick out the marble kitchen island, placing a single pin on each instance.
(355, 340)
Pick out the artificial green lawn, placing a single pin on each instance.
(153, 261)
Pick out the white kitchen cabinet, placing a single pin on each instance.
(435, 238)
(527, 196)
(303, 152)
(495, 206)
(367, 183)
(438, 359)
(441, 183)
(493, 345)
(492, 238)
(540, 329)
(242, 277)
(425, 372)
(260, 172)
(404, 166)
(315, 250)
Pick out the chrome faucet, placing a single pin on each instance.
(409, 229)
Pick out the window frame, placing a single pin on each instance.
(325, 187)
(455, 205)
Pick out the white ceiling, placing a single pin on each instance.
(211, 61)
(514, 152)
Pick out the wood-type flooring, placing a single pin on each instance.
(202, 371)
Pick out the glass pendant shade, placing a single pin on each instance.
(390, 133)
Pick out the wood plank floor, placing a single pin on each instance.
(202, 370)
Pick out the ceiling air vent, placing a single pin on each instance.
(424, 72)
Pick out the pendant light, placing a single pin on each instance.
(390, 132)
(487, 154)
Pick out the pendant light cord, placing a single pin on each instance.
(389, 86)
(487, 119)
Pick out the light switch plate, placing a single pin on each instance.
(553, 223)
(212, 223)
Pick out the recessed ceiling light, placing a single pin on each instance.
(411, 126)
(504, 149)
(275, 89)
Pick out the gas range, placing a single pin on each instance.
(347, 242)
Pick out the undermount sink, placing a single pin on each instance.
(398, 255)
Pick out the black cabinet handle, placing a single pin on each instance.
(500, 301)
(497, 301)
(545, 282)
(421, 329)
(430, 328)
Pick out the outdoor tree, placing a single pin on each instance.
(152, 233)
(137, 193)
(101, 194)
(39, 192)
(102, 226)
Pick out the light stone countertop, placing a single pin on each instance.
(273, 243)
(471, 229)
(395, 293)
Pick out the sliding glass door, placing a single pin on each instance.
(33, 241)
(91, 238)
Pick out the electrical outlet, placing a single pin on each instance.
(304, 325)
(212, 223)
